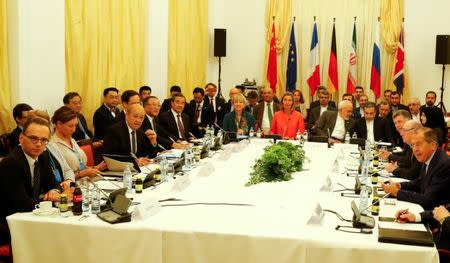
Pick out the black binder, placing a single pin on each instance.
(406, 237)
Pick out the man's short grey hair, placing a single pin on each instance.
(343, 104)
(403, 113)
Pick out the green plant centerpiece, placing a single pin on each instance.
(278, 163)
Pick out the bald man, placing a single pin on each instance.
(228, 106)
(126, 137)
(263, 112)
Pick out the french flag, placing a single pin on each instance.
(314, 79)
(375, 75)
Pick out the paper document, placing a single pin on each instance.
(117, 166)
(400, 226)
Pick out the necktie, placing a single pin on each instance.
(197, 113)
(423, 179)
(133, 142)
(113, 112)
(269, 111)
(36, 180)
(180, 127)
(212, 104)
(86, 136)
(154, 125)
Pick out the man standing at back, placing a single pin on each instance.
(395, 103)
(216, 103)
(128, 98)
(263, 112)
(199, 114)
(20, 114)
(315, 113)
(107, 114)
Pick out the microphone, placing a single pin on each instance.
(161, 147)
(193, 136)
(220, 128)
(106, 179)
(378, 201)
(101, 190)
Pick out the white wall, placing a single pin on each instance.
(423, 21)
(37, 52)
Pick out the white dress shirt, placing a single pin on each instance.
(31, 163)
(339, 128)
(175, 115)
(416, 117)
(323, 109)
(265, 125)
(72, 155)
(370, 133)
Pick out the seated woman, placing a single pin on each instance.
(287, 121)
(299, 102)
(60, 168)
(65, 121)
(239, 120)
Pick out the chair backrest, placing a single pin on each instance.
(5, 144)
(87, 149)
(317, 138)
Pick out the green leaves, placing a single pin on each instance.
(277, 163)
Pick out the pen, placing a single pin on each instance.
(402, 213)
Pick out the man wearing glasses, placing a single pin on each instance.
(26, 176)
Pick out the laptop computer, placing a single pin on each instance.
(116, 164)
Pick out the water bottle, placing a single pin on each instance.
(251, 133)
(95, 201)
(128, 180)
(347, 137)
(188, 158)
(298, 136)
(86, 205)
(354, 136)
(363, 199)
(305, 136)
(258, 133)
(164, 165)
(220, 135)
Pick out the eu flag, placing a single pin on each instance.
(291, 72)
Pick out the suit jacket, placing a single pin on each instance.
(164, 142)
(79, 134)
(207, 118)
(117, 141)
(381, 131)
(229, 122)
(316, 103)
(400, 107)
(442, 237)
(220, 111)
(327, 122)
(103, 119)
(356, 114)
(16, 192)
(429, 190)
(14, 137)
(409, 172)
(403, 158)
(166, 105)
(314, 115)
(168, 127)
(436, 121)
(258, 112)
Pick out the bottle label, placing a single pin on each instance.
(77, 198)
(138, 187)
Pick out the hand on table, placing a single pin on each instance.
(403, 216)
(52, 195)
(390, 167)
(440, 213)
(391, 187)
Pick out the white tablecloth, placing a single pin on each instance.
(273, 229)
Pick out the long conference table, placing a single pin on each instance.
(212, 224)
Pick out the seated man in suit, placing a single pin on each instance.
(126, 137)
(316, 112)
(395, 102)
(411, 171)
(358, 112)
(144, 92)
(151, 108)
(166, 105)
(335, 124)
(316, 103)
(20, 114)
(211, 100)
(26, 177)
(264, 111)
(384, 108)
(252, 99)
(371, 127)
(430, 188)
(400, 118)
(128, 98)
(199, 114)
(175, 124)
(107, 114)
(228, 107)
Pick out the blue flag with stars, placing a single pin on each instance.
(291, 72)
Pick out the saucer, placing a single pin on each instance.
(49, 212)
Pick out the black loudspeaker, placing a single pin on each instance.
(220, 42)
(442, 49)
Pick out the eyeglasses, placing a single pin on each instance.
(35, 139)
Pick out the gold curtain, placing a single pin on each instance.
(391, 17)
(105, 46)
(281, 10)
(188, 44)
(6, 120)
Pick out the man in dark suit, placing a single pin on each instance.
(410, 169)
(144, 92)
(316, 103)
(126, 137)
(359, 91)
(175, 124)
(349, 97)
(358, 112)
(107, 114)
(264, 111)
(20, 114)
(74, 102)
(215, 102)
(430, 100)
(335, 124)
(228, 107)
(26, 176)
(151, 108)
(400, 118)
(166, 105)
(128, 98)
(371, 127)
(395, 102)
(316, 112)
(252, 99)
(430, 189)
(199, 114)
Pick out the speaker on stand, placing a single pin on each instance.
(442, 58)
(220, 50)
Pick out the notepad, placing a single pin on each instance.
(401, 226)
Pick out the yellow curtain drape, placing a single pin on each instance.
(105, 46)
(6, 120)
(366, 12)
(281, 10)
(391, 17)
(188, 44)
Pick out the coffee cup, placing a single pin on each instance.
(44, 206)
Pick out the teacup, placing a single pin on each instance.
(44, 206)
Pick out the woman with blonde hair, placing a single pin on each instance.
(287, 121)
(239, 120)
